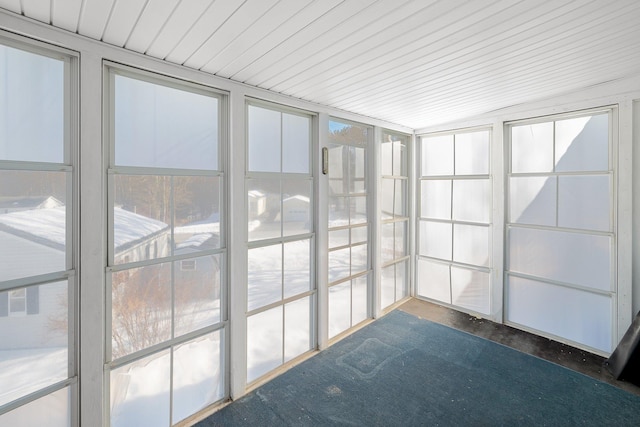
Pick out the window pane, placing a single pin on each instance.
(357, 167)
(387, 242)
(338, 238)
(471, 244)
(386, 158)
(359, 304)
(532, 200)
(337, 156)
(198, 378)
(197, 206)
(197, 293)
(34, 344)
(472, 200)
(387, 286)
(339, 211)
(142, 218)
(582, 144)
(358, 213)
(263, 201)
(359, 234)
(437, 155)
(532, 148)
(297, 267)
(435, 239)
(402, 285)
(400, 158)
(435, 201)
(264, 342)
(52, 410)
(387, 198)
(140, 308)
(339, 264)
(160, 126)
(140, 392)
(296, 140)
(297, 328)
(359, 259)
(472, 153)
(400, 249)
(339, 308)
(264, 139)
(296, 206)
(470, 289)
(32, 103)
(584, 202)
(264, 276)
(33, 223)
(433, 280)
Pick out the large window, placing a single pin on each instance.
(38, 286)
(560, 276)
(394, 203)
(454, 233)
(166, 255)
(281, 289)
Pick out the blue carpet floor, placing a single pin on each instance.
(404, 371)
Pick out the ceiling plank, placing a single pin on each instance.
(12, 5)
(152, 19)
(93, 18)
(38, 9)
(123, 18)
(65, 14)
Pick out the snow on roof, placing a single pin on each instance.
(195, 241)
(130, 227)
(297, 197)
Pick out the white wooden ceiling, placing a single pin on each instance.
(412, 62)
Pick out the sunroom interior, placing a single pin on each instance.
(211, 192)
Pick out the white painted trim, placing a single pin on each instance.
(322, 235)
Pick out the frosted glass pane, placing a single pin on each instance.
(401, 239)
(296, 140)
(359, 258)
(32, 107)
(472, 200)
(435, 201)
(387, 286)
(52, 410)
(33, 223)
(435, 239)
(357, 168)
(584, 202)
(297, 328)
(33, 339)
(141, 218)
(387, 243)
(576, 258)
(359, 234)
(263, 204)
(470, 289)
(472, 153)
(400, 199)
(264, 279)
(339, 211)
(433, 281)
(572, 314)
(471, 244)
(197, 206)
(296, 206)
(140, 308)
(264, 139)
(402, 285)
(338, 154)
(338, 238)
(532, 200)
(532, 148)
(359, 299)
(387, 198)
(358, 213)
(297, 267)
(339, 264)
(339, 308)
(400, 158)
(160, 126)
(264, 342)
(198, 376)
(437, 155)
(196, 293)
(140, 394)
(386, 158)
(582, 144)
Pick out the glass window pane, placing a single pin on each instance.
(140, 308)
(400, 198)
(263, 202)
(582, 144)
(196, 293)
(435, 200)
(197, 205)
(338, 154)
(387, 243)
(264, 342)
(198, 377)
(435, 239)
(338, 238)
(297, 267)
(359, 258)
(532, 148)
(472, 200)
(359, 234)
(472, 153)
(470, 289)
(387, 198)
(34, 342)
(580, 316)
(264, 276)
(575, 258)
(296, 140)
(387, 286)
(584, 202)
(400, 158)
(471, 244)
(297, 328)
(140, 392)
(386, 158)
(33, 223)
(532, 200)
(437, 155)
(160, 126)
(52, 410)
(359, 304)
(32, 104)
(264, 144)
(400, 249)
(339, 211)
(402, 284)
(357, 167)
(142, 217)
(433, 280)
(339, 264)
(339, 308)
(358, 213)
(296, 206)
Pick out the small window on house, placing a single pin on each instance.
(18, 302)
(188, 265)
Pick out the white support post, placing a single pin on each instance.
(625, 219)
(498, 170)
(376, 225)
(322, 236)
